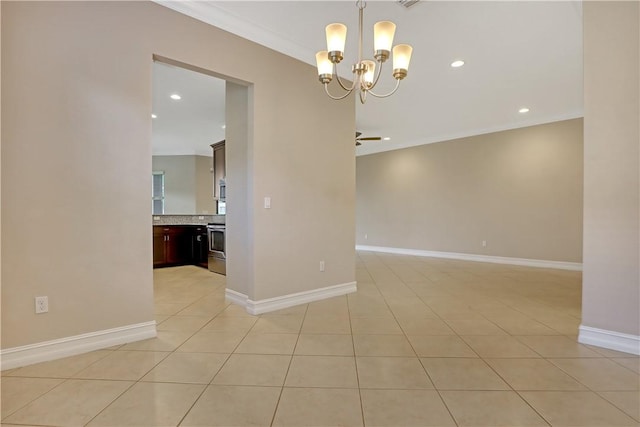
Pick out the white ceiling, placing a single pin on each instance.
(191, 124)
(517, 54)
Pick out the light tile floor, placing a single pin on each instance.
(424, 342)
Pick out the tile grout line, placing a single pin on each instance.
(112, 401)
(164, 358)
(284, 380)
(170, 353)
(480, 358)
(419, 358)
(355, 356)
(402, 271)
(206, 386)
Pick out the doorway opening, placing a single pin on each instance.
(194, 109)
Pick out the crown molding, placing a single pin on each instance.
(221, 18)
(364, 150)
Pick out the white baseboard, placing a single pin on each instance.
(574, 266)
(625, 343)
(235, 297)
(16, 357)
(290, 300)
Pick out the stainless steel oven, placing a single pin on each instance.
(217, 250)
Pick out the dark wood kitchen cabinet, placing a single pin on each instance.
(171, 245)
(200, 247)
(219, 169)
(180, 245)
(159, 246)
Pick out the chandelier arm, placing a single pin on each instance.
(337, 98)
(363, 96)
(361, 68)
(342, 85)
(339, 80)
(387, 94)
(375, 81)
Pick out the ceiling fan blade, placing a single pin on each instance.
(370, 138)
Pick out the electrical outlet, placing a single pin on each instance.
(321, 265)
(42, 305)
(366, 236)
(484, 243)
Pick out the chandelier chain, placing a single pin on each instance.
(361, 5)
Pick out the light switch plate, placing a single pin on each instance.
(267, 202)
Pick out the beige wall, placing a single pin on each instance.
(239, 230)
(611, 281)
(179, 183)
(188, 184)
(308, 170)
(76, 163)
(0, 177)
(519, 190)
(76, 172)
(204, 186)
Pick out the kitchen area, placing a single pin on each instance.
(188, 171)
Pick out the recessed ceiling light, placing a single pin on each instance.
(523, 110)
(224, 126)
(457, 64)
(153, 116)
(386, 138)
(176, 96)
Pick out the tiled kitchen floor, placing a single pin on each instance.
(424, 342)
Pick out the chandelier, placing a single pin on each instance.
(365, 77)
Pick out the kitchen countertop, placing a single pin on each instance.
(187, 219)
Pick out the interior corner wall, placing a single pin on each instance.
(188, 184)
(76, 164)
(180, 186)
(0, 174)
(518, 190)
(611, 277)
(205, 204)
(239, 167)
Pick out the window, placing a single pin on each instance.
(157, 193)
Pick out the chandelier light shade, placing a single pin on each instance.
(325, 67)
(401, 59)
(336, 39)
(369, 74)
(365, 75)
(383, 33)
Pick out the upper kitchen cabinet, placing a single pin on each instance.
(219, 171)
